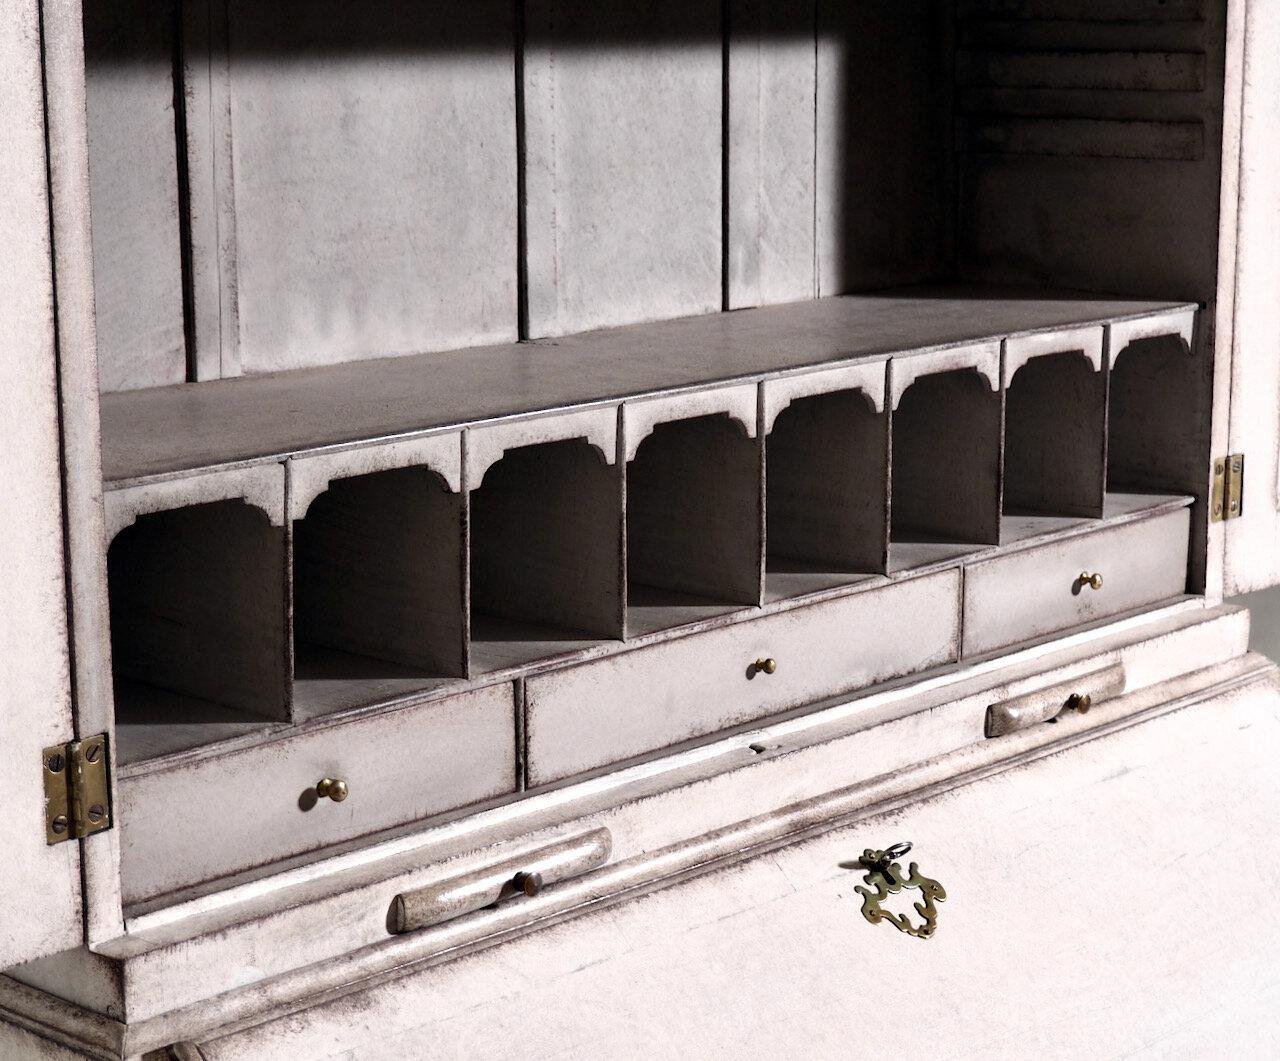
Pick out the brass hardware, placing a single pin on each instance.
(1226, 498)
(77, 796)
(1093, 581)
(885, 875)
(528, 883)
(1080, 702)
(769, 665)
(333, 788)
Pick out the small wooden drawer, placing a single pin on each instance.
(200, 820)
(602, 712)
(1036, 592)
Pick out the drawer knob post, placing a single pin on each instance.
(767, 664)
(333, 788)
(1093, 581)
(528, 883)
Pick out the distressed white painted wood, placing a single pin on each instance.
(1252, 557)
(328, 923)
(183, 429)
(1030, 593)
(589, 716)
(1181, 324)
(35, 675)
(982, 358)
(390, 231)
(772, 76)
(869, 378)
(262, 487)
(623, 162)
(641, 416)
(133, 169)
(400, 767)
(485, 445)
(70, 194)
(309, 477)
(790, 928)
(882, 151)
(1020, 349)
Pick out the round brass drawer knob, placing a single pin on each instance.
(1093, 581)
(767, 664)
(1080, 702)
(333, 788)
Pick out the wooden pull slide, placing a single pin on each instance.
(1030, 709)
(524, 874)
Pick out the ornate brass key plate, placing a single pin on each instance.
(885, 878)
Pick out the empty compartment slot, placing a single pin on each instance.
(546, 547)
(198, 641)
(1054, 441)
(1158, 419)
(379, 582)
(693, 523)
(945, 468)
(827, 464)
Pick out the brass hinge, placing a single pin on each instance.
(1226, 500)
(77, 792)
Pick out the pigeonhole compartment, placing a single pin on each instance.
(945, 454)
(827, 468)
(545, 537)
(379, 576)
(196, 578)
(1055, 426)
(693, 507)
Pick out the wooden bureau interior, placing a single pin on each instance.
(434, 483)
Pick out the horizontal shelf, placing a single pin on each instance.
(168, 432)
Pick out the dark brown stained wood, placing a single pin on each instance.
(170, 430)
(1055, 437)
(693, 512)
(133, 175)
(827, 493)
(198, 609)
(379, 573)
(545, 528)
(946, 460)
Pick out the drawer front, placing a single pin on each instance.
(586, 717)
(199, 821)
(1037, 592)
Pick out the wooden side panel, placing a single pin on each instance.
(772, 79)
(1253, 541)
(43, 913)
(374, 180)
(883, 137)
(623, 172)
(133, 172)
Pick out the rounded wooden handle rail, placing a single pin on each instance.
(526, 874)
(1078, 694)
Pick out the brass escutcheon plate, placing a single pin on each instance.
(884, 878)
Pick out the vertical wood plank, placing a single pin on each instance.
(372, 162)
(133, 172)
(883, 141)
(67, 124)
(770, 146)
(35, 680)
(623, 162)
